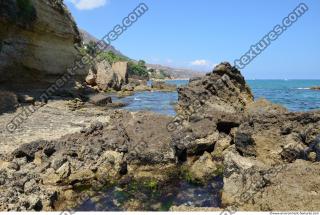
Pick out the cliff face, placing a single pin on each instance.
(37, 40)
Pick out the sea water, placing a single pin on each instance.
(295, 95)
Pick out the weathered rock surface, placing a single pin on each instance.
(315, 88)
(222, 91)
(8, 101)
(162, 86)
(107, 77)
(269, 157)
(208, 106)
(257, 141)
(204, 169)
(37, 42)
(130, 143)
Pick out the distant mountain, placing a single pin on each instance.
(176, 73)
(87, 37)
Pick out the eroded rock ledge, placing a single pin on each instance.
(268, 157)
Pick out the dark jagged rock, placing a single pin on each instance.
(213, 104)
(256, 146)
(8, 101)
(222, 91)
(315, 88)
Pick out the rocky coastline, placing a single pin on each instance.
(315, 88)
(219, 130)
(59, 152)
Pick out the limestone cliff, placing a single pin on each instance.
(37, 40)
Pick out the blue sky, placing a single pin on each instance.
(205, 32)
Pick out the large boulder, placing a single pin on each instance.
(163, 86)
(8, 101)
(37, 42)
(107, 77)
(207, 107)
(315, 88)
(222, 91)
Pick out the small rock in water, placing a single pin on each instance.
(100, 100)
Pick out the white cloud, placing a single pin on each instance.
(88, 4)
(200, 63)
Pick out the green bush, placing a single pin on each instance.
(27, 13)
(138, 69)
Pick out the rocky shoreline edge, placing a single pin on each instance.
(268, 158)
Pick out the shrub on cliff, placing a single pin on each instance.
(138, 69)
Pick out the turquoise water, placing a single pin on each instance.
(293, 94)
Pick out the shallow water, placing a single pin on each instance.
(153, 199)
(293, 94)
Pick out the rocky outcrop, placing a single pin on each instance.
(129, 144)
(256, 141)
(108, 77)
(8, 101)
(163, 86)
(268, 157)
(222, 91)
(208, 108)
(315, 88)
(37, 40)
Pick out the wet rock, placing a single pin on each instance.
(140, 88)
(123, 94)
(204, 169)
(117, 105)
(138, 81)
(8, 102)
(100, 99)
(163, 86)
(315, 88)
(128, 87)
